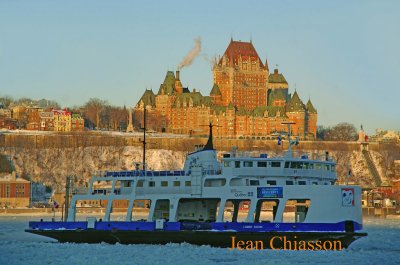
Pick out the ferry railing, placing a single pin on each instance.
(295, 155)
(146, 173)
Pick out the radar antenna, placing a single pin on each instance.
(289, 152)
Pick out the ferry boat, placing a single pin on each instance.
(276, 202)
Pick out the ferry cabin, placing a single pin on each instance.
(207, 190)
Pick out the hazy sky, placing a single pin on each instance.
(344, 55)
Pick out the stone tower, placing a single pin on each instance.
(129, 128)
(241, 76)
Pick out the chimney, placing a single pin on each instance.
(194, 90)
(275, 71)
(178, 84)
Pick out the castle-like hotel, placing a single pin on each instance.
(246, 100)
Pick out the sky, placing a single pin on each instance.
(343, 55)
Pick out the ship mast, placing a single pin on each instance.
(144, 140)
(289, 152)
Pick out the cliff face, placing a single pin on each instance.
(52, 165)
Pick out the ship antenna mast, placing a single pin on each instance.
(291, 142)
(144, 140)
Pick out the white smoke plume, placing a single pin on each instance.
(189, 58)
(213, 60)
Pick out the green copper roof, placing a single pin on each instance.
(148, 98)
(310, 107)
(207, 101)
(276, 77)
(168, 85)
(218, 109)
(196, 98)
(279, 95)
(295, 104)
(269, 111)
(242, 112)
(215, 90)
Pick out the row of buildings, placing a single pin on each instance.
(246, 100)
(40, 119)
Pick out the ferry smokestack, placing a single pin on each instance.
(177, 75)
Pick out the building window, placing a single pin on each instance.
(7, 190)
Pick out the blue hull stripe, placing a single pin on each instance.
(178, 226)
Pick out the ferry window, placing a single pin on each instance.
(152, 183)
(333, 168)
(271, 182)
(315, 183)
(177, 183)
(296, 165)
(237, 164)
(300, 207)
(140, 183)
(164, 183)
(311, 166)
(188, 183)
(306, 165)
(214, 182)
(248, 163)
(287, 164)
(227, 163)
(302, 182)
(254, 183)
(318, 166)
(275, 164)
(289, 182)
(261, 164)
(326, 167)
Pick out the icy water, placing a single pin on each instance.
(382, 246)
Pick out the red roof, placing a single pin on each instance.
(61, 112)
(245, 49)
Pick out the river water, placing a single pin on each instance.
(381, 246)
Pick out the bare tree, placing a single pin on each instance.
(341, 132)
(92, 110)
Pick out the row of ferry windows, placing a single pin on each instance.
(221, 182)
(273, 182)
(175, 183)
(277, 164)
